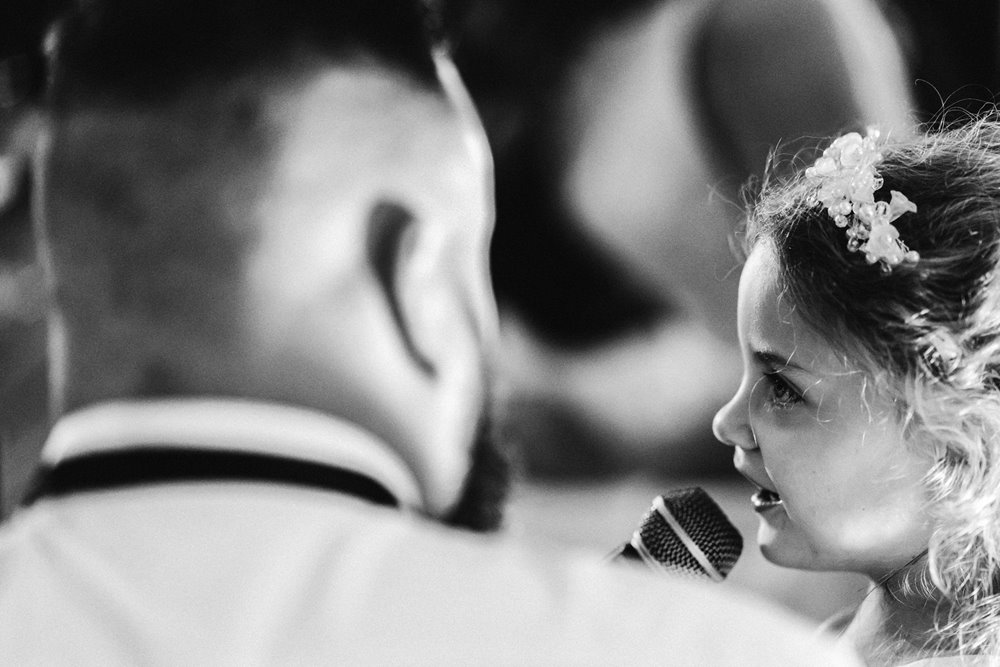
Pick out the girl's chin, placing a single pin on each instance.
(787, 556)
(781, 544)
(874, 554)
(788, 548)
(775, 555)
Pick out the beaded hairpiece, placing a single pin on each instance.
(846, 181)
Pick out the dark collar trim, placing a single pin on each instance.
(160, 464)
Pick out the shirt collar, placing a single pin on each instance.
(231, 425)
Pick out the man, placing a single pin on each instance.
(266, 225)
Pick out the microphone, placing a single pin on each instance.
(685, 532)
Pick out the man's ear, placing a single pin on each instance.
(391, 246)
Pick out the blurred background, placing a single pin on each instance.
(623, 134)
(23, 408)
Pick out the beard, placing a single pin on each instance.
(480, 504)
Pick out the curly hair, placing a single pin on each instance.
(928, 335)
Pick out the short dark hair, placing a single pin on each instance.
(146, 50)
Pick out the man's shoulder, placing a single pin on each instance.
(345, 581)
(574, 606)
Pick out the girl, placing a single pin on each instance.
(868, 415)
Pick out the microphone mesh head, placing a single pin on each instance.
(706, 526)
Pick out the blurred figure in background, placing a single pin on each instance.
(22, 303)
(266, 228)
(622, 134)
(953, 52)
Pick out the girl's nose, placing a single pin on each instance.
(731, 424)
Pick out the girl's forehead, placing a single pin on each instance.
(769, 322)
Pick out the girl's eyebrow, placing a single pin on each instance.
(776, 361)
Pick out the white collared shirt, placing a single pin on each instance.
(232, 425)
(223, 573)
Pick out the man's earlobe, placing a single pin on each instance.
(389, 244)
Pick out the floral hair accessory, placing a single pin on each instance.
(846, 182)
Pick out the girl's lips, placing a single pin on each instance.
(765, 499)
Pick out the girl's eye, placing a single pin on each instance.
(781, 394)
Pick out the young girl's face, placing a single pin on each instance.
(839, 489)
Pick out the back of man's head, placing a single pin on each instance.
(160, 142)
(152, 50)
(281, 199)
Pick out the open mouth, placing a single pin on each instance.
(765, 499)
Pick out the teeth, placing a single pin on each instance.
(764, 499)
